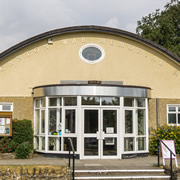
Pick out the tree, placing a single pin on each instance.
(163, 27)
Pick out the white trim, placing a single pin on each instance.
(119, 170)
(124, 177)
(46, 123)
(92, 45)
(147, 124)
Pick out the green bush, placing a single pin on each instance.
(22, 135)
(21, 141)
(23, 150)
(165, 132)
(7, 145)
(22, 131)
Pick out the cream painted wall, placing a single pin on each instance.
(125, 60)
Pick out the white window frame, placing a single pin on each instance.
(135, 135)
(92, 45)
(6, 104)
(176, 112)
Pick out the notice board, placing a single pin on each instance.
(5, 123)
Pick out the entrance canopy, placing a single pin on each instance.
(91, 90)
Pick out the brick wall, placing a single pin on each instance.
(159, 116)
(23, 107)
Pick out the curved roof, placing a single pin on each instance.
(81, 29)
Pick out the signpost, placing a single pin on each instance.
(166, 153)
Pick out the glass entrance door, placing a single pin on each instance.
(91, 133)
(109, 122)
(100, 133)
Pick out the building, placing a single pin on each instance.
(103, 87)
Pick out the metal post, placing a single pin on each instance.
(73, 166)
(158, 154)
(69, 154)
(171, 165)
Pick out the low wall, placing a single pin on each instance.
(63, 173)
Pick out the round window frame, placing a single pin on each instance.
(92, 45)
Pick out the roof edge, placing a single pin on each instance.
(103, 85)
(89, 28)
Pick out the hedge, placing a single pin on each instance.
(22, 131)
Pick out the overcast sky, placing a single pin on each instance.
(22, 19)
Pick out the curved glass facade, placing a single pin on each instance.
(100, 126)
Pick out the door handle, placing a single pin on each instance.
(102, 135)
(98, 135)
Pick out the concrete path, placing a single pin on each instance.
(134, 163)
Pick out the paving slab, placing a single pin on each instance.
(134, 163)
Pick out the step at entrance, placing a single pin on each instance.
(156, 174)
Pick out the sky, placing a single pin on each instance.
(22, 19)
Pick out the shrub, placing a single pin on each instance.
(7, 145)
(23, 136)
(22, 139)
(13, 145)
(22, 131)
(165, 132)
(23, 150)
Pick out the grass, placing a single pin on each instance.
(156, 165)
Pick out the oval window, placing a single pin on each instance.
(91, 53)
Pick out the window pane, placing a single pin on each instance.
(43, 102)
(172, 118)
(59, 144)
(70, 101)
(128, 121)
(141, 143)
(36, 144)
(128, 144)
(66, 143)
(91, 53)
(178, 108)
(37, 103)
(90, 121)
(37, 122)
(172, 109)
(110, 121)
(141, 122)
(42, 143)
(52, 101)
(70, 121)
(60, 101)
(128, 102)
(140, 102)
(52, 144)
(110, 101)
(60, 122)
(90, 146)
(178, 118)
(110, 147)
(42, 121)
(52, 121)
(90, 100)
